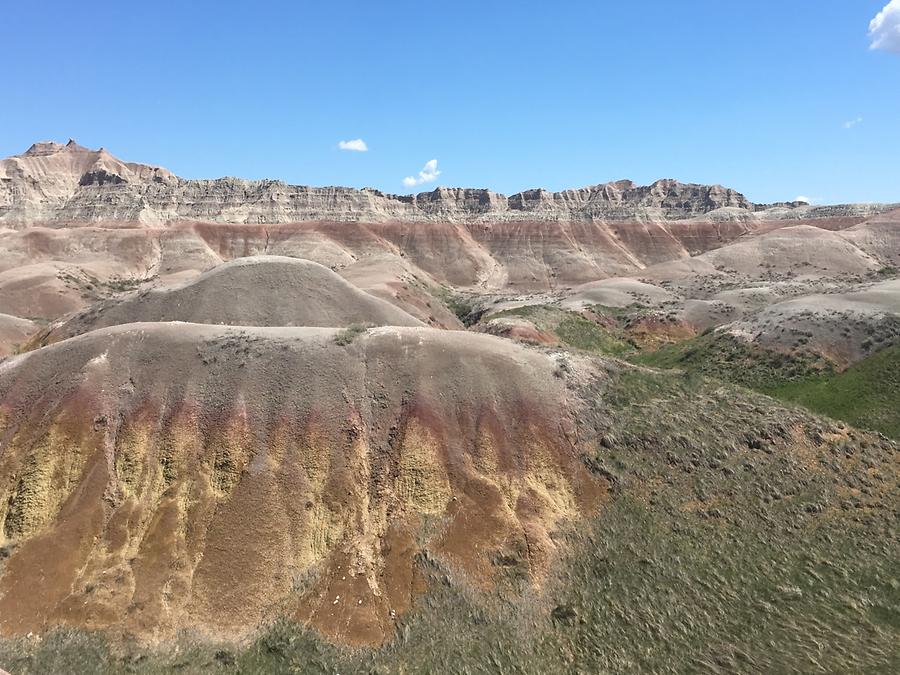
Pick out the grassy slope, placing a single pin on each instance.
(726, 358)
(866, 395)
(724, 548)
(572, 329)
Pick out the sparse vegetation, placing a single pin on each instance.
(92, 288)
(621, 313)
(572, 329)
(461, 305)
(866, 395)
(347, 335)
(722, 356)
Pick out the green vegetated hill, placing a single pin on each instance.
(866, 395)
(572, 329)
(739, 535)
(724, 357)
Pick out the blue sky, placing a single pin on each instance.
(762, 96)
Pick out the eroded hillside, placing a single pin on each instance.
(253, 427)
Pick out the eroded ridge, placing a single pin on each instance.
(302, 476)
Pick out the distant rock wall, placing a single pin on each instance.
(67, 184)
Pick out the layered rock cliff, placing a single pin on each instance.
(59, 184)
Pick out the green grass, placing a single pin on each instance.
(572, 329)
(462, 306)
(580, 333)
(724, 357)
(347, 335)
(866, 395)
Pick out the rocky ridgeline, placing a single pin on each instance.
(55, 183)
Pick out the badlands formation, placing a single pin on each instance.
(248, 426)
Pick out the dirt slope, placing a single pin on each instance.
(13, 332)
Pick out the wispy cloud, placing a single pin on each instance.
(356, 145)
(884, 29)
(808, 200)
(428, 174)
(849, 124)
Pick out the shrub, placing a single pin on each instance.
(349, 334)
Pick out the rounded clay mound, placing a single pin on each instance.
(254, 291)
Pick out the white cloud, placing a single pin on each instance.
(884, 29)
(428, 174)
(852, 123)
(808, 200)
(356, 145)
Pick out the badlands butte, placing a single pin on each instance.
(254, 427)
